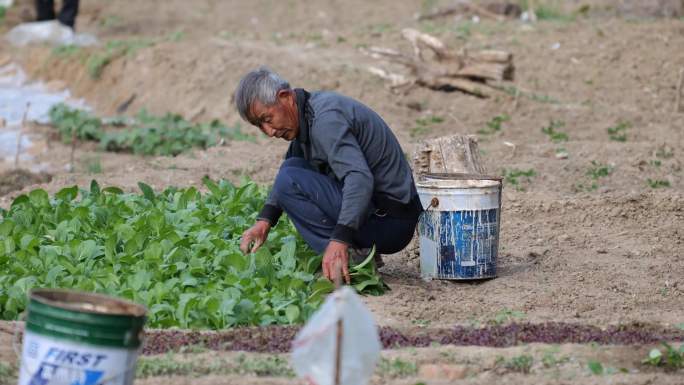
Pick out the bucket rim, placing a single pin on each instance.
(459, 176)
(59, 298)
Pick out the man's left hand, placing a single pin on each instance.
(336, 258)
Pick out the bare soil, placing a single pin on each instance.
(569, 252)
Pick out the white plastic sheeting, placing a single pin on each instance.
(15, 92)
(50, 32)
(313, 354)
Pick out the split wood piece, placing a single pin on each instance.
(478, 89)
(419, 39)
(490, 55)
(448, 154)
(678, 98)
(397, 80)
(493, 71)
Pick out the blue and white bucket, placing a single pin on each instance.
(459, 230)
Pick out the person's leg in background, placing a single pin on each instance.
(45, 10)
(67, 15)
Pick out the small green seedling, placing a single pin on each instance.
(92, 165)
(515, 176)
(595, 172)
(66, 50)
(494, 125)
(164, 365)
(515, 91)
(271, 366)
(671, 358)
(521, 364)
(596, 367)
(552, 131)
(111, 21)
(424, 124)
(507, 315)
(657, 183)
(396, 368)
(421, 322)
(112, 50)
(562, 152)
(549, 360)
(599, 170)
(664, 152)
(618, 132)
(176, 36)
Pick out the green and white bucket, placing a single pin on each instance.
(74, 338)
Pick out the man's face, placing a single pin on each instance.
(280, 120)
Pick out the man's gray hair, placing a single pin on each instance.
(261, 84)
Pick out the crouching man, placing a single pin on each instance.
(345, 182)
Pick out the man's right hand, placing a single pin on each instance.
(254, 237)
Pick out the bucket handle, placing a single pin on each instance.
(15, 346)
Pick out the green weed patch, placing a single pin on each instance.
(167, 135)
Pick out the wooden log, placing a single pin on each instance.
(494, 56)
(448, 154)
(397, 80)
(493, 71)
(393, 56)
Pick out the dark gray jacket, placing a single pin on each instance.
(345, 139)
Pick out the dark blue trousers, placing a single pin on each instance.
(313, 202)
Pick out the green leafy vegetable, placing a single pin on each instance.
(176, 251)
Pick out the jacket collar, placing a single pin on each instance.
(305, 115)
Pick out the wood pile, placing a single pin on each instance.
(492, 10)
(436, 66)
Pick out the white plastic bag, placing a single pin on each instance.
(51, 32)
(313, 354)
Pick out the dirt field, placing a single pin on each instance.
(569, 252)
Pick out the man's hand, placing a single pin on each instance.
(254, 237)
(336, 256)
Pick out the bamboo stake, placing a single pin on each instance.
(516, 98)
(532, 14)
(73, 151)
(340, 331)
(19, 135)
(678, 99)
